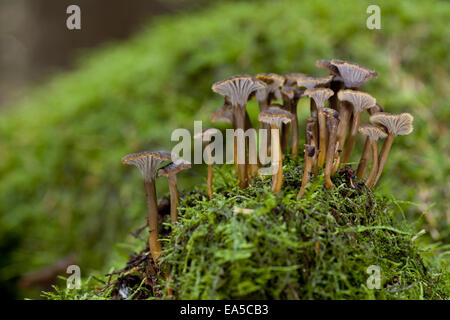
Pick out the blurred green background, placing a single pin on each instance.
(63, 189)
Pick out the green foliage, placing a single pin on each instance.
(62, 187)
(316, 248)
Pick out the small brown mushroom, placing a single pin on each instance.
(170, 171)
(310, 83)
(360, 101)
(148, 162)
(292, 78)
(290, 96)
(395, 125)
(364, 161)
(320, 96)
(373, 133)
(275, 116)
(206, 136)
(238, 89)
(332, 117)
(353, 75)
(307, 171)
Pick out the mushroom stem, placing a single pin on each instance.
(330, 156)
(153, 240)
(209, 181)
(322, 139)
(351, 138)
(307, 171)
(294, 133)
(241, 167)
(285, 128)
(173, 190)
(364, 161)
(383, 157)
(277, 159)
(374, 169)
(344, 117)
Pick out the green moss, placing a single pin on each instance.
(316, 248)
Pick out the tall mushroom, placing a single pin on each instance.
(395, 125)
(275, 116)
(148, 162)
(360, 102)
(237, 90)
(353, 75)
(373, 133)
(170, 171)
(365, 156)
(336, 83)
(320, 96)
(206, 135)
(290, 96)
(332, 117)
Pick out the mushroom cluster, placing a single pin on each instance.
(336, 111)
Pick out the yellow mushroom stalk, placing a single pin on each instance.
(332, 125)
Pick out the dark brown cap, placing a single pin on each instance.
(311, 83)
(174, 167)
(223, 114)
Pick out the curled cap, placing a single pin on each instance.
(320, 96)
(273, 83)
(311, 83)
(174, 167)
(290, 79)
(206, 134)
(274, 115)
(147, 162)
(238, 88)
(373, 132)
(223, 114)
(353, 74)
(359, 100)
(396, 124)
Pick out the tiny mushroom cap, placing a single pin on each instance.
(373, 132)
(275, 115)
(237, 88)
(330, 113)
(311, 83)
(359, 100)
(395, 124)
(291, 92)
(223, 114)
(292, 78)
(147, 162)
(174, 167)
(320, 96)
(206, 134)
(326, 64)
(273, 83)
(353, 74)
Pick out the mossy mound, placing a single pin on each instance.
(316, 248)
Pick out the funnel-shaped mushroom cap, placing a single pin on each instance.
(311, 83)
(326, 64)
(206, 134)
(290, 79)
(174, 167)
(373, 132)
(147, 162)
(223, 114)
(396, 124)
(353, 74)
(238, 88)
(320, 96)
(274, 115)
(330, 113)
(291, 92)
(273, 83)
(359, 100)
(377, 108)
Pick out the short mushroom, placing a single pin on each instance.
(290, 96)
(365, 156)
(205, 136)
(395, 125)
(307, 171)
(310, 83)
(360, 102)
(148, 162)
(332, 117)
(275, 116)
(373, 133)
(170, 171)
(320, 96)
(237, 90)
